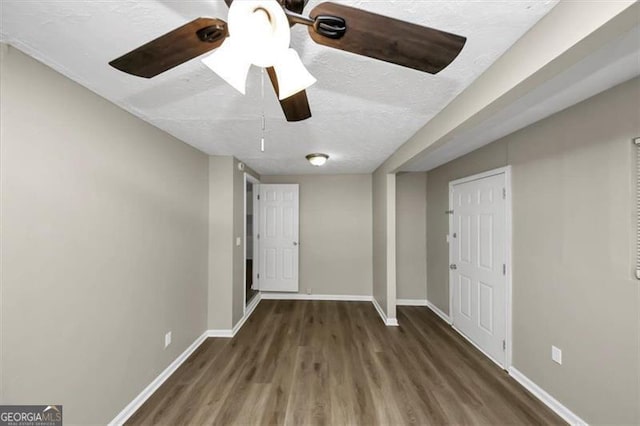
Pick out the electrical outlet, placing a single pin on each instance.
(309, 290)
(167, 339)
(556, 355)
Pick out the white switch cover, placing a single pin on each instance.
(238, 241)
(556, 354)
(167, 339)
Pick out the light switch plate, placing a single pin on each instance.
(238, 241)
(556, 355)
(167, 339)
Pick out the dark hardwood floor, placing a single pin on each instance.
(335, 363)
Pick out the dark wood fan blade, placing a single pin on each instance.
(296, 107)
(174, 48)
(390, 40)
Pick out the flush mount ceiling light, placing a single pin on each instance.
(259, 35)
(317, 159)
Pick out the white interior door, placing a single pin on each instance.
(278, 238)
(478, 261)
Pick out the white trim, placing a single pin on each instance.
(248, 311)
(508, 256)
(489, 173)
(255, 182)
(392, 322)
(439, 312)
(389, 322)
(301, 296)
(568, 415)
(137, 402)
(508, 356)
(226, 333)
(411, 302)
(222, 332)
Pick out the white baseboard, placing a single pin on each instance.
(301, 296)
(250, 308)
(221, 332)
(411, 302)
(392, 322)
(568, 415)
(336, 297)
(389, 322)
(137, 402)
(438, 312)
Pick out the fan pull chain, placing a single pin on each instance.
(263, 119)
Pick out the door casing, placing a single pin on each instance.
(256, 242)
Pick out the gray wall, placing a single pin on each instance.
(104, 245)
(411, 235)
(379, 203)
(335, 233)
(573, 207)
(384, 241)
(226, 259)
(221, 244)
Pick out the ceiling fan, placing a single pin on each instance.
(258, 33)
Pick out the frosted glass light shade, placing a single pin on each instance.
(226, 62)
(317, 159)
(260, 30)
(292, 75)
(259, 34)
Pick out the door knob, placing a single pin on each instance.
(295, 243)
(453, 267)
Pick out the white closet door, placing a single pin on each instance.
(278, 235)
(478, 262)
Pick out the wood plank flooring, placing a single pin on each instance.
(335, 363)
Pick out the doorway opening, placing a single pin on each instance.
(251, 200)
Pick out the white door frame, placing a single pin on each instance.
(256, 242)
(509, 242)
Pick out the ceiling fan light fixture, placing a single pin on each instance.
(259, 34)
(293, 76)
(317, 159)
(260, 30)
(230, 66)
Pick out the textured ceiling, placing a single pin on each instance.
(363, 109)
(608, 66)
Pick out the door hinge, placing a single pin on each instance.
(504, 193)
(504, 345)
(258, 275)
(449, 212)
(258, 196)
(504, 269)
(258, 236)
